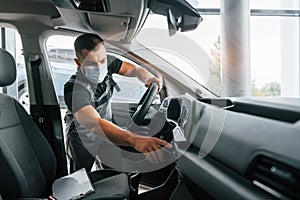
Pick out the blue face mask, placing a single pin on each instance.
(96, 74)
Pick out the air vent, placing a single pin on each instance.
(276, 177)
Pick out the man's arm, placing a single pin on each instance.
(89, 118)
(130, 70)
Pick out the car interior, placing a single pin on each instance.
(232, 146)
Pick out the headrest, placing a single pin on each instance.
(7, 68)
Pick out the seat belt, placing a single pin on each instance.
(40, 111)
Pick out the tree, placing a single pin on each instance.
(269, 89)
(214, 80)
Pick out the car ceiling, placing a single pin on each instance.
(120, 24)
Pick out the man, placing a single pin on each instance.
(87, 96)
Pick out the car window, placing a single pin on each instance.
(273, 42)
(132, 89)
(61, 57)
(11, 42)
(61, 54)
(194, 53)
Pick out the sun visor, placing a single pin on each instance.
(111, 7)
(103, 25)
(113, 20)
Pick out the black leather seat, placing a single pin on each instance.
(27, 162)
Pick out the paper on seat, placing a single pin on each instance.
(73, 186)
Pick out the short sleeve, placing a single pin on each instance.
(114, 64)
(76, 97)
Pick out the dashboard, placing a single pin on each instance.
(252, 144)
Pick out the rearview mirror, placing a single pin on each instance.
(180, 14)
(172, 23)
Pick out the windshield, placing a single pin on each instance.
(195, 53)
(273, 46)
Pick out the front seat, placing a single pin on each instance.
(27, 162)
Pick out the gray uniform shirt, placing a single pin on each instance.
(80, 92)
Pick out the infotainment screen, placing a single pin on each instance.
(174, 109)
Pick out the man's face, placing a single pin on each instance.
(96, 57)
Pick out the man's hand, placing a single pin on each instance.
(151, 147)
(128, 69)
(150, 80)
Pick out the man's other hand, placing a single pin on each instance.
(151, 147)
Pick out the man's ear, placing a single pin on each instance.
(77, 62)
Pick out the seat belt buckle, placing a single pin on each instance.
(114, 84)
(134, 181)
(117, 87)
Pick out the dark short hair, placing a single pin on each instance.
(87, 41)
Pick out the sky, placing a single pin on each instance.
(60, 42)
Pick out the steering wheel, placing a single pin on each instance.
(134, 158)
(144, 104)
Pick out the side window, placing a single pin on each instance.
(52, 54)
(11, 42)
(61, 54)
(132, 89)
